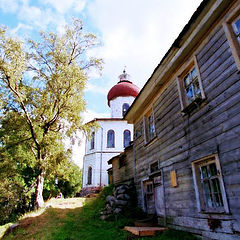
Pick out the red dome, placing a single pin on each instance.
(122, 89)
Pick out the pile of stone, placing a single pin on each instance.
(88, 191)
(121, 199)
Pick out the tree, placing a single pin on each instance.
(42, 86)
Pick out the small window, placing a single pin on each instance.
(92, 143)
(149, 127)
(232, 30)
(190, 87)
(125, 107)
(110, 139)
(89, 182)
(154, 167)
(126, 138)
(209, 186)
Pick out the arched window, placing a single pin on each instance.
(126, 138)
(92, 140)
(125, 107)
(110, 139)
(89, 181)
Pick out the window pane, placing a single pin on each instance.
(213, 169)
(197, 90)
(187, 80)
(208, 194)
(89, 176)
(237, 24)
(217, 193)
(204, 172)
(110, 139)
(151, 127)
(190, 93)
(194, 73)
(93, 140)
(125, 107)
(127, 138)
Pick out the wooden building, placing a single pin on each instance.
(186, 162)
(122, 167)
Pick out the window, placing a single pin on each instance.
(126, 138)
(110, 139)
(125, 107)
(89, 181)
(209, 186)
(138, 130)
(190, 87)
(92, 143)
(232, 29)
(154, 167)
(149, 127)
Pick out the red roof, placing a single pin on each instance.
(123, 89)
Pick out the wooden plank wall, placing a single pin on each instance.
(125, 173)
(214, 127)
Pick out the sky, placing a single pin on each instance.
(132, 33)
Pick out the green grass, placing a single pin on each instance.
(69, 223)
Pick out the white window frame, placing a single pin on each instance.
(198, 188)
(228, 26)
(182, 89)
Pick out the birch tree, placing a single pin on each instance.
(42, 85)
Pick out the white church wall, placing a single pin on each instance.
(93, 157)
(116, 105)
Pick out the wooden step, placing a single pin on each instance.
(144, 231)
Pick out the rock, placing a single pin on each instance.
(110, 198)
(121, 190)
(117, 210)
(123, 196)
(121, 203)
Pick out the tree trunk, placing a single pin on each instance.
(39, 203)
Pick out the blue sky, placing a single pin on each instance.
(133, 33)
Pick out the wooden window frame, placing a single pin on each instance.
(199, 189)
(149, 139)
(231, 36)
(185, 105)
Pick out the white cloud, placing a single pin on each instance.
(19, 27)
(137, 33)
(64, 6)
(97, 89)
(9, 6)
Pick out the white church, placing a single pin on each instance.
(113, 135)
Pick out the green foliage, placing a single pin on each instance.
(41, 103)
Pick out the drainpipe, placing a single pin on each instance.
(101, 157)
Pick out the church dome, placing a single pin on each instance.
(124, 88)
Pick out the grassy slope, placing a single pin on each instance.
(76, 222)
